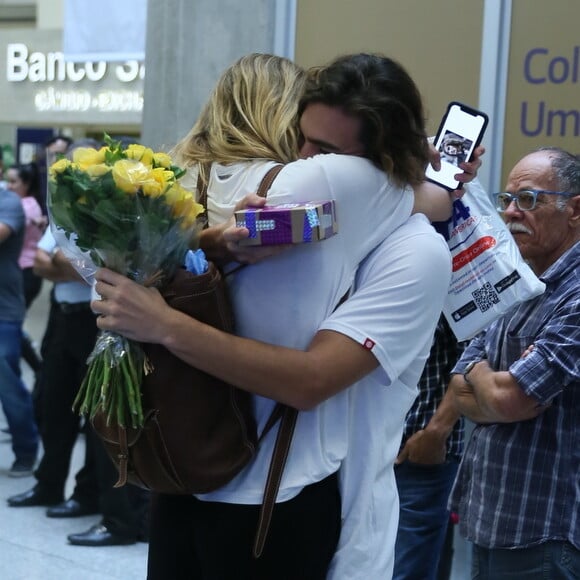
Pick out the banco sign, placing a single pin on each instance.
(36, 67)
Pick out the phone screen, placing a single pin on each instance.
(460, 132)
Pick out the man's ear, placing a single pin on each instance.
(574, 205)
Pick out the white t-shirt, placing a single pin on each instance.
(283, 300)
(398, 296)
(72, 291)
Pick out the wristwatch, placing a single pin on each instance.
(467, 370)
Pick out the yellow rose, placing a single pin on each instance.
(183, 205)
(193, 211)
(162, 160)
(59, 166)
(173, 194)
(140, 153)
(130, 175)
(158, 182)
(176, 194)
(84, 157)
(95, 171)
(152, 188)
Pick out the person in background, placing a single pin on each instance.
(14, 396)
(59, 144)
(69, 338)
(517, 492)
(427, 463)
(24, 180)
(55, 146)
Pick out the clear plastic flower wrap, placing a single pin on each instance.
(124, 209)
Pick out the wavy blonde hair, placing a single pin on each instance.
(252, 113)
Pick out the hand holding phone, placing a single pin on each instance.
(459, 133)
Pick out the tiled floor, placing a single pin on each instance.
(34, 547)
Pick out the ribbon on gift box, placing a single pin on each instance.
(288, 223)
(310, 221)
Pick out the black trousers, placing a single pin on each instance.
(32, 286)
(193, 539)
(70, 337)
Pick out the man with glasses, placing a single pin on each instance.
(517, 492)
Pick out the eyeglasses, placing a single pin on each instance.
(525, 199)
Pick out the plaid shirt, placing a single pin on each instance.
(519, 483)
(432, 386)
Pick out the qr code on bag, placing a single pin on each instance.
(485, 297)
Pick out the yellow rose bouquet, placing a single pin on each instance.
(122, 208)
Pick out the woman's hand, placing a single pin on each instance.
(470, 168)
(233, 235)
(130, 309)
(40, 222)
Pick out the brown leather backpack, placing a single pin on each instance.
(198, 432)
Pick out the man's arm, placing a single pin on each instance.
(428, 445)
(433, 201)
(12, 218)
(301, 379)
(5, 232)
(492, 396)
(55, 267)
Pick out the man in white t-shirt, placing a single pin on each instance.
(377, 341)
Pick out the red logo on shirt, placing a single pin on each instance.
(369, 344)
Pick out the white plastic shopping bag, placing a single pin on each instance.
(489, 274)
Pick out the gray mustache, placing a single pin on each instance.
(517, 227)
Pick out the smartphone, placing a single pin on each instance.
(460, 132)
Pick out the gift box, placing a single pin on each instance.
(290, 223)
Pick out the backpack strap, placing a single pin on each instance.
(202, 189)
(288, 416)
(263, 188)
(277, 464)
(123, 457)
(268, 179)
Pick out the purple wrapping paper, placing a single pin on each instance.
(291, 223)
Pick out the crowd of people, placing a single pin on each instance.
(376, 463)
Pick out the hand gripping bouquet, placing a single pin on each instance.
(124, 209)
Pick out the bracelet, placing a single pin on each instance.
(467, 370)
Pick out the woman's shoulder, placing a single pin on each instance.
(31, 206)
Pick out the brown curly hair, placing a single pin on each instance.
(378, 91)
